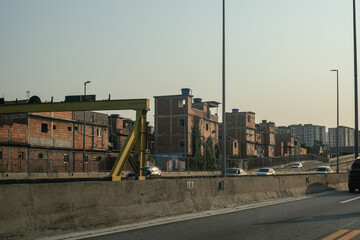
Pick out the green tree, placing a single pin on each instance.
(210, 158)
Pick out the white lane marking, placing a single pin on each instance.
(352, 199)
(184, 217)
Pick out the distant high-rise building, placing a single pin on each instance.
(346, 137)
(310, 134)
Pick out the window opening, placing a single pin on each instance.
(44, 128)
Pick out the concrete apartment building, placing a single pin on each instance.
(346, 137)
(52, 142)
(240, 127)
(285, 130)
(175, 116)
(309, 134)
(267, 129)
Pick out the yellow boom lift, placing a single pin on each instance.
(136, 139)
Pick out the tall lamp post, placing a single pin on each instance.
(337, 119)
(84, 127)
(223, 96)
(355, 86)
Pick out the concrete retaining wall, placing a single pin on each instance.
(36, 210)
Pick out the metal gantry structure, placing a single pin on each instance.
(136, 140)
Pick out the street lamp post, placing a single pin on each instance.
(84, 127)
(223, 97)
(337, 122)
(355, 86)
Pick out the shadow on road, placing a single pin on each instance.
(316, 188)
(355, 215)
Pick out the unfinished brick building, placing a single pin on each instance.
(267, 129)
(175, 116)
(53, 142)
(240, 126)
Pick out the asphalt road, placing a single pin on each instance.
(333, 216)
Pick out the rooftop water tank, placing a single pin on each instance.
(235, 110)
(185, 91)
(197, 100)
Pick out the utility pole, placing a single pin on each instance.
(355, 86)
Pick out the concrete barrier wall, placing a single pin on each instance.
(36, 210)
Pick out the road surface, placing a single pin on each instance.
(335, 215)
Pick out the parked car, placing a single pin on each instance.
(324, 169)
(235, 172)
(354, 176)
(297, 165)
(149, 171)
(265, 171)
(152, 171)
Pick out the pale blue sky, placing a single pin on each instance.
(278, 62)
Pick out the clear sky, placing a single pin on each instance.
(279, 53)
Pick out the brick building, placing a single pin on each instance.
(267, 129)
(53, 142)
(285, 144)
(175, 117)
(119, 129)
(240, 126)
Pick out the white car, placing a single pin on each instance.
(265, 171)
(297, 165)
(234, 172)
(324, 169)
(152, 171)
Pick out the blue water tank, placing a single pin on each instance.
(185, 91)
(235, 110)
(197, 100)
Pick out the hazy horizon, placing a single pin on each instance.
(279, 53)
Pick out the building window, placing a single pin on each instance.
(249, 119)
(21, 155)
(98, 132)
(235, 145)
(54, 127)
(1, 155)
(40, 156)
(181, 122)
(66, 158)
(69, 129)
(44, 128)
(181, 103)
(182, 143)
(75, 128)
(207, 127)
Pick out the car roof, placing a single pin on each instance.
(323, 166)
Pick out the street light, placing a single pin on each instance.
(355, 86)
(337, 117)
(84, 126)
(223, 97)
